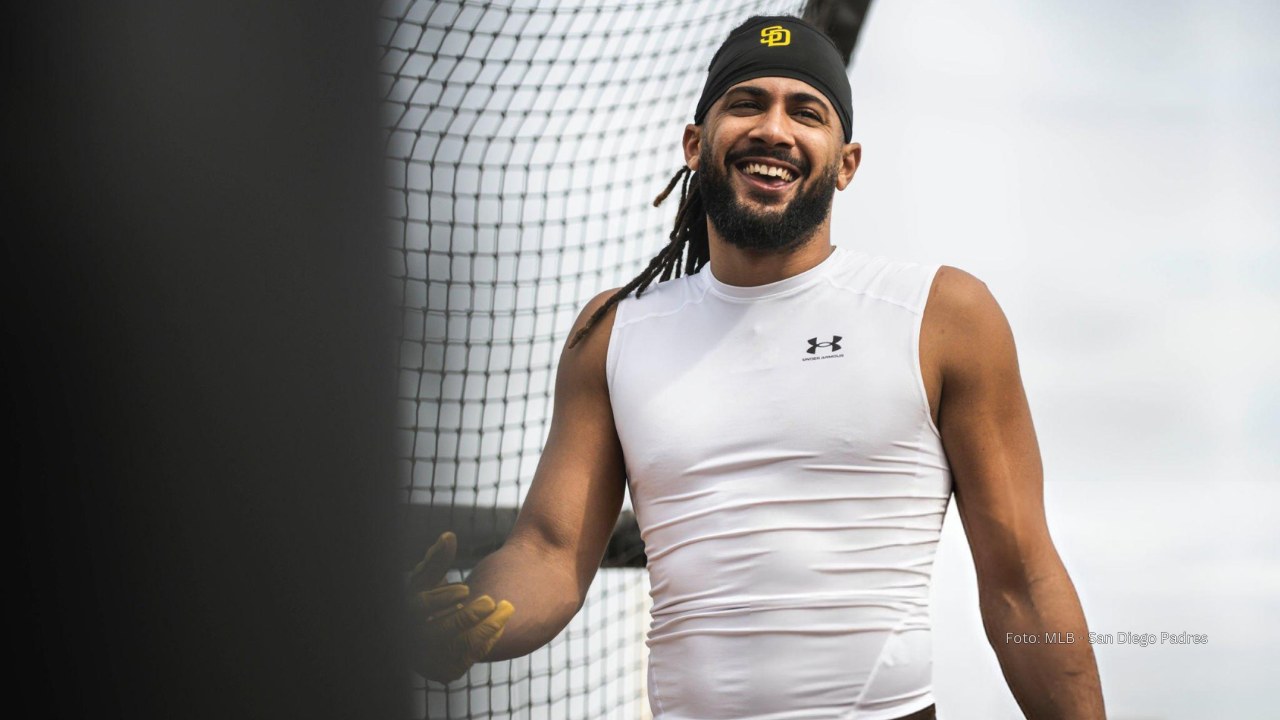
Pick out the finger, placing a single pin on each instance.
(458, 620)
(431, 571)
(481, 638)
(433, 601)
(466, 649)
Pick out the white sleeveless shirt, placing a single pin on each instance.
(789, 485)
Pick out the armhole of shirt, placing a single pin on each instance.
(611, 352)
(922, 300)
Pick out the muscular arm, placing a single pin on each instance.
(548, 562)
(986, 429)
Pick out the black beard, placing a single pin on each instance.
(779, 232)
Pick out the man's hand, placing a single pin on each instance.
(450, 633)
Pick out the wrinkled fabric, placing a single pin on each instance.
(790, 487)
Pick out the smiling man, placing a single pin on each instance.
(792, 419)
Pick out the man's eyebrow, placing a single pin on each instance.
(799, 96)
(810, 98)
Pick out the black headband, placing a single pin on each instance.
(781, 46)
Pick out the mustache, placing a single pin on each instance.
(735, 157)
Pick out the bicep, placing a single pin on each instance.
(577, 489)
(989, 438)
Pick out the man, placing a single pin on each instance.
(792, 418)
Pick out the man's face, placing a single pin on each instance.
(770, 156)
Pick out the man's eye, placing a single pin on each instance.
(749, 104)
(809, 115)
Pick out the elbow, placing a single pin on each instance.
(563, 581)
(1012, 589)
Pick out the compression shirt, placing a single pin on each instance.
(790, 487)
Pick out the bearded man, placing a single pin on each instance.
(792, 419)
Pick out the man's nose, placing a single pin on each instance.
(773, 127)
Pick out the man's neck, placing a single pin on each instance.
(732, 265)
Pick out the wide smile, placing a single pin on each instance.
(768, 176)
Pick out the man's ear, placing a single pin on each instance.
(692, 144)
(848, 165)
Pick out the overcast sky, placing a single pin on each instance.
(1109, 170)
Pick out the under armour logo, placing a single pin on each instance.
(834, 344)
(775, 36)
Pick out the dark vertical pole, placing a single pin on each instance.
(200, 362)
(841, 19)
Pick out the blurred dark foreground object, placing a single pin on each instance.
(199, 362)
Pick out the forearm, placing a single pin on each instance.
(540, 585)
(1040, 637)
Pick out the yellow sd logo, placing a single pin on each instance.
(775, 36)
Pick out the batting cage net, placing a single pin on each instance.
(526, 140)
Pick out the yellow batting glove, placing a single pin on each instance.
(451, 632)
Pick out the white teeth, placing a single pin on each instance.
(768, 171)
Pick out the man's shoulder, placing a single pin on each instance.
(595, 319)
(905, 283)
(662, 298)
(959, 296)
(963, 323)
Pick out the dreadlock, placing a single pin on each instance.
(690, 230)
